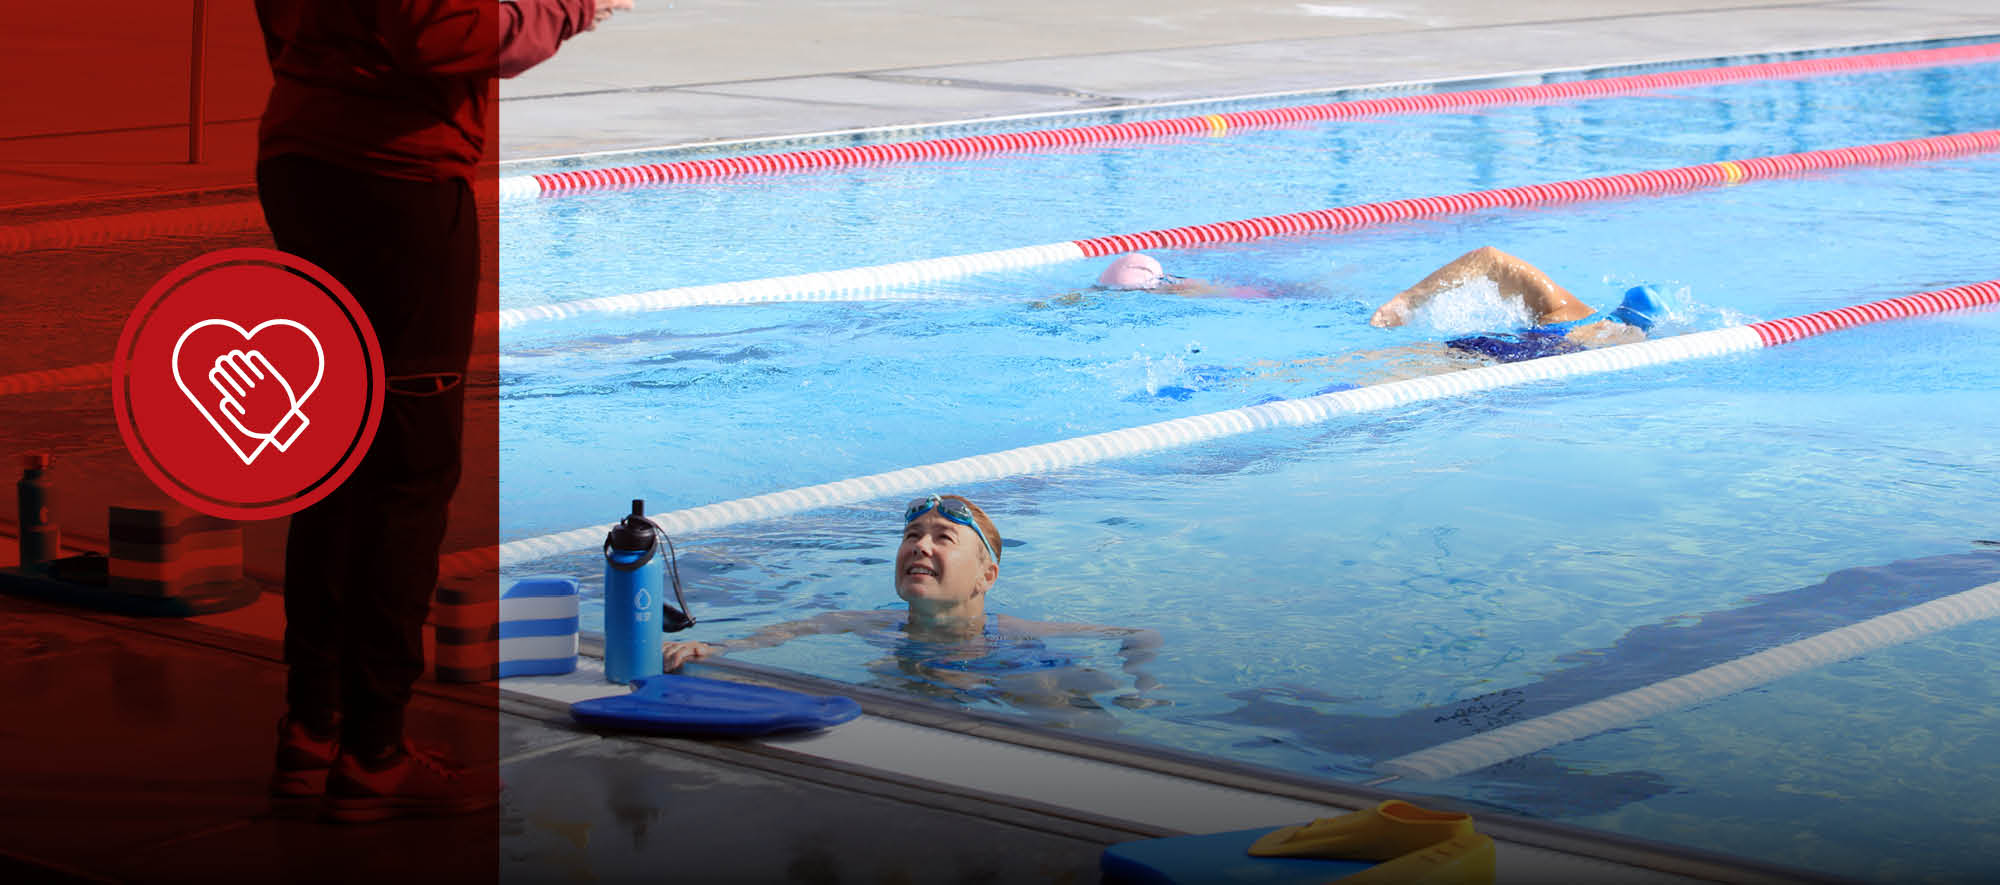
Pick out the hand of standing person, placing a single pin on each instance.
(604, 10)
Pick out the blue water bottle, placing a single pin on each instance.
(633, 581)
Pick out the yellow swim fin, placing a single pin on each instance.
(1388, 831)
(1464, 859)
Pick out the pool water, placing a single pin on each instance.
(1335, 595)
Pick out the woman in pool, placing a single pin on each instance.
(1139, 272)
(948, 560)
(1563, 323)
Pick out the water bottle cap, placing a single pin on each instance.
(633, 534)
(35, 461)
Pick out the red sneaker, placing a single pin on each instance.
(416, 783)
(303, 761)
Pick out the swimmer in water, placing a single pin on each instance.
(1139, 272)
(1563, 323)
(947, 562)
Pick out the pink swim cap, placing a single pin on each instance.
(1134, 271)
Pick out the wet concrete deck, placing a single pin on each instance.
(137, 750)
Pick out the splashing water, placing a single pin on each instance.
(1472, 306)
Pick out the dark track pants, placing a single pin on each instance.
(361, 564)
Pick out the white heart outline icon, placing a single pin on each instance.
(319, 373)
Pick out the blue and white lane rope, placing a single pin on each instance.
(1581, 721)
(1152, 438)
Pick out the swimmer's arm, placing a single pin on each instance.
(1515, 278)
(1134, 637)
(1604, 333)
(1138, 644)
(674, 654)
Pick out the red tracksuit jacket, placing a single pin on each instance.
(401, 88)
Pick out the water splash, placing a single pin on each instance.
(1472, 306)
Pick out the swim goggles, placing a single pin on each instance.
(956, 511)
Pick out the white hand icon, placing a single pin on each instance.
(258, 409)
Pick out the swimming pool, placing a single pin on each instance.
(1335, 595)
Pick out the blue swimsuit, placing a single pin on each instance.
(1640, 307)
(1548, 339)
(1513, 347)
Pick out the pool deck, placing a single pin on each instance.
(902, 62)
(584, 806)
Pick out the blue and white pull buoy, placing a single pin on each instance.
(538, 627)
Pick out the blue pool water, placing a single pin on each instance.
(1336, 595)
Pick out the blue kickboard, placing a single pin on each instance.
(1216, 857)
(690, 705)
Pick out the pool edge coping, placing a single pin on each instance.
(1194, 106)
(1577, 841)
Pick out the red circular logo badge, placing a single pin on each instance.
(248, 383)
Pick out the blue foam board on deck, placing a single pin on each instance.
(690, 705)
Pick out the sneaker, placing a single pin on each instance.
(417, 782)
(303, 761)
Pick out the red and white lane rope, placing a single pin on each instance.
(571, 181)
(869, 283)
(244, 216)
(98, 230)
(1180, 432)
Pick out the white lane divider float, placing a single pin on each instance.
(864, 283)
(1596, 717)
(1152, 438)
(1200, 428)
(852, 284)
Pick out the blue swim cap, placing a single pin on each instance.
(1640, 308)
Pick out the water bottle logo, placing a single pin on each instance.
(643, 601)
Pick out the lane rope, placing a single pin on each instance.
(879, 282)
(1707, 684)
(866, 283)
(618, 177)
(245, 216)
(1181, 432)
(853, 284)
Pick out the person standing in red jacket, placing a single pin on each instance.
(375, 125)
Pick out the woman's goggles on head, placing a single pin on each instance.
(956, 511)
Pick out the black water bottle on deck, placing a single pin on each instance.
(41, 539)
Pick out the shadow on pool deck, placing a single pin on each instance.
(138, 751)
